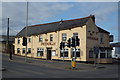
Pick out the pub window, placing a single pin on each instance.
(77, 52)
(40, 51)
(40, 38)
(101, 38)
(65, 52)
(75, 34)
(102, 54)
(18, 40)
(109, 53)
(29, 39)
(64, 37)
(91, 54)
(18, 50)
(51, 37)
(29, 50)
(23, 50)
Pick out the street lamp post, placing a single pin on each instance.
(26, 31)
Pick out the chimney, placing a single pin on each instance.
(93, 18)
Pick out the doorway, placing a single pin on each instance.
(48, 53)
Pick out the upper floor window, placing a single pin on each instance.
(40, 38)
(29, 39)
(51, 37)
(64, 37)
(75, 34)
(101, 38)
(18, 40)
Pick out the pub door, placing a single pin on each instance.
(48, 54)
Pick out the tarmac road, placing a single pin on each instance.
(36, 68)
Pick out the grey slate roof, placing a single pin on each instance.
(52, 27)
(102, 30)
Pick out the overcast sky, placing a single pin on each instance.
(106, 14)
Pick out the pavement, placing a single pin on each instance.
(37, 68)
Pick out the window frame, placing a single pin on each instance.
(65, 50)
(74, 34)
(29, 50)
(23, 51)
(103, 52)
(18, 50)
(91, 54)
(77, 50)
(101, 38)
(29, 39)
(51, 37)
(64, 36)
(40, 38)
(18, 41)
(40, 50)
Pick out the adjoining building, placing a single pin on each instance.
(116, 50)
(44, 40)
(3, 43)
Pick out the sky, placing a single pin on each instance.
(106, 14)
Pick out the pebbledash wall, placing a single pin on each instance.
(44, 40)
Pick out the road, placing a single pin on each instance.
(36, 68)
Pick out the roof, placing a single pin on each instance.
(54, 26)
(102, 30)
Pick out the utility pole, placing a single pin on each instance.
(26, 31)
(8, 36)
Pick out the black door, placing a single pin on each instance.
(48, 54)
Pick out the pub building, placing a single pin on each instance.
(43, 41)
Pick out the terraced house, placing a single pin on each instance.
(43, 40)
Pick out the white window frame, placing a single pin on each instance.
(77, 50)
(51, 37)
(23, 49)
(30, 50)
(18, 41)
(75, 34)
(64, 36)
(17, 50)
(64, 50)
(40, 49)
(40, 38)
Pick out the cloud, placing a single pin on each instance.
(39, 12)
(101, 10)
(45, 11)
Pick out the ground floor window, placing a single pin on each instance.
(102, 53)
(91, 55)
(18, 50)
(29, 50)
(77, 52)
(105, 54)
(109, 53)
(23, 50)
(65, 52)
(40, 51)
